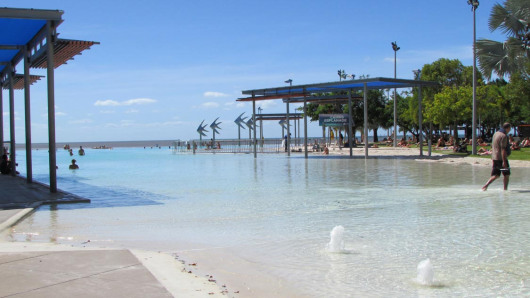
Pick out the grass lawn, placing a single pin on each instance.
(523, 154)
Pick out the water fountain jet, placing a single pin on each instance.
(336, 244)
(425, 273)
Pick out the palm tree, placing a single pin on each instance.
(510, 56)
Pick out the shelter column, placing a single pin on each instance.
(12, 143)
(305, 125)
(51, 106)
(350, 123)
(27, 110)
(420, 120)
(288, 141)
(254, 123)
(365, 91)
(2, 117)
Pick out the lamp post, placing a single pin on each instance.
(474, 6)
(395, 48)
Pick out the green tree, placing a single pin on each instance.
(510, 56)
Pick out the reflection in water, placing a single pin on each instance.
(54, 215)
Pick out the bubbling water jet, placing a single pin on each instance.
(336, 244)
(425, 273)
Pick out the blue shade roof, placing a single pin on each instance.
(22, 27)
(19, 31)
(307, 89)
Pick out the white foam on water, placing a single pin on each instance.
(425, 273)
(336, 243)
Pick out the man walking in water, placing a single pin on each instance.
(499, 155)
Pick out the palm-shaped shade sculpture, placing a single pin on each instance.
(510, 56)
(214, 126)
(201, 130)
(239, 122)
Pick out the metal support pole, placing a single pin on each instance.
(254, 123)
(350, 139)
(474, 135)
(295, 136)
(27, 110)
(430, 139)
(420, 120)
(2, 118)
(395, 100)
(288, 143)
(298, 121)
(365, 120)
(51, 106)
(12, 151)
(305, 125)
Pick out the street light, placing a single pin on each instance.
(395, 48)
(474, 6)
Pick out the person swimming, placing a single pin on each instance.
(73, 166)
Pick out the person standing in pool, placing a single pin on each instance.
(499, 155)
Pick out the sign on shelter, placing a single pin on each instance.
(333, 120)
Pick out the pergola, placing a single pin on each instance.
(30, 35)
(313, 92)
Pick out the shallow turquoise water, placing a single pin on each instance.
(277, 212)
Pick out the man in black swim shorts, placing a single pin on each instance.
(499, 155)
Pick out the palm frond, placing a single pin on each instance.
(512, 18)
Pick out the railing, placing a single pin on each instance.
(241, 146)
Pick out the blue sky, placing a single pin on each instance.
(164, 66)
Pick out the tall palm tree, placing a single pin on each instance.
(510, 56)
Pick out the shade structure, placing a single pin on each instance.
(18, 81)
(30, 36)
(343, 93)
(308, 89)
(64, 50)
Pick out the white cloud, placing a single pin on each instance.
(113, 103)
(138, 101)
(81, 121)
(131, 111)
(60, 114)
(106, 112)
(106, 103)
(210, 105)
(214, 94)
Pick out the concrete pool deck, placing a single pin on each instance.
(52, 270)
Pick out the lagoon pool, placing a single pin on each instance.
(273, 216)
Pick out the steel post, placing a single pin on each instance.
(365, 91)
(474, 118)
(254, 123)
(420, 120)
(27, 110)
(51, 106)
(305, 125)
(12, 143)
(350, 139)
(1, 118)
(288, 142)
(395, 101)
